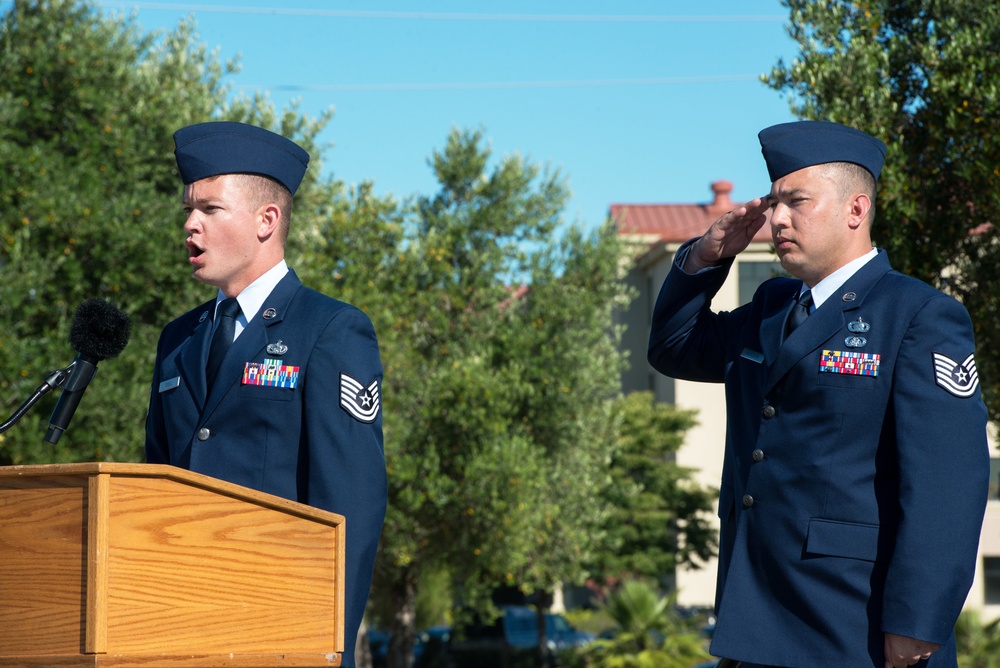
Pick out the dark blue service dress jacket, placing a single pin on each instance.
(312, 434)
(856, 464)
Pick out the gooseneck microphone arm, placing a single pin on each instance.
(51, 382)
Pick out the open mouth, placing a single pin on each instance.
(194, 251)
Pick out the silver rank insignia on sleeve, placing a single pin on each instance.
(362, 403)
(958, 378)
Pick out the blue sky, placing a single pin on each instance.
(633, 101)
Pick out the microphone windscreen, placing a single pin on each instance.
(99, 329)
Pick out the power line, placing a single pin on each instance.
(441, 16)
(442, 86)
(499, 85)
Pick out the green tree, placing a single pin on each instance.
(917, 75)
(569, 352)
(501, 363)
(660, 517)
(89, 206)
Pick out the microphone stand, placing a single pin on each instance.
(55, 379)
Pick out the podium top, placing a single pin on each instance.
(167, 472)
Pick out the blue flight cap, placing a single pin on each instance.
(225, 147)
(789, 147)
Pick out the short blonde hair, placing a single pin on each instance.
(262, 190)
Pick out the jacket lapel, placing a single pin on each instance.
(193, 355)
(773, 323)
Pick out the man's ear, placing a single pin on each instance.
(861, 205)
(269, 218)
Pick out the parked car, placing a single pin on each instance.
(704, 613)
(512, 640)
(378, 642)
(521, 629)
(429, 648)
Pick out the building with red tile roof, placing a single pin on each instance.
(677, 222)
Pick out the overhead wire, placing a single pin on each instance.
(441, 16)
(141, 5)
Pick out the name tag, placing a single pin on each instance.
(752, 355)
(170, 384)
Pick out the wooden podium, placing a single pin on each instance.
(150, 565)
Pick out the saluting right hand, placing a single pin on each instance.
(728, 236)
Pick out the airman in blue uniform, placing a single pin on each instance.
(856, 464)
(271, 385)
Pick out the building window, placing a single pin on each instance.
(752, 274)
(991, 580)
(994, 478)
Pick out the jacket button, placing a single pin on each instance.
(758, 455)
(204, 433)
(769, 412)
(747, 500)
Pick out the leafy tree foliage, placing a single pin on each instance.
(919, 76)
(501, 366)
(88, 201)
(660, 517)
(89, 206)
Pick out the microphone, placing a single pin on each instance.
(99, 331)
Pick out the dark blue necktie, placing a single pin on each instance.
(225, 331)
(798, 313)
